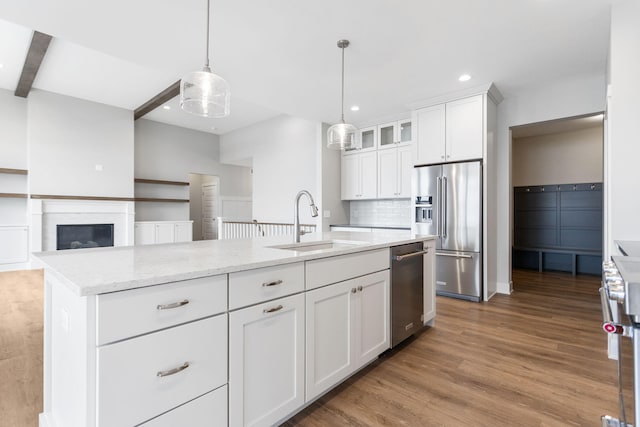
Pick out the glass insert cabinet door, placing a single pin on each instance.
(395, 133)
(367, 139)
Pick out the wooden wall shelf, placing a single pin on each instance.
(160, 182)
(155, 199)
(13, 195)
(56, 197)
(14, 171)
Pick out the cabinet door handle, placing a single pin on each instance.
(442, 157)
(353, 290)
(173, 305)
(173, 371)
(360, 288)
(273, 309)
(274, 283)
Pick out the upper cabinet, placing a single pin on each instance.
(394, 173)
(449, 132)
(359, 176)
(394, 133)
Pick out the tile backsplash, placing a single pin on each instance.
(388, 213)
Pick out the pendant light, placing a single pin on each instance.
(342, 136)
(204, 93)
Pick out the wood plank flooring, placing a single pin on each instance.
(21, 326)
(534, 358)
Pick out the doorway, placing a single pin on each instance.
(557, 195)
(204, 205)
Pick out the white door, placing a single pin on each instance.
(183, 232)
(369, 175)
(405, 167)
(372, 317)
(329, 338)
(210, 196)
(350, 177)
(465, 129)
(145, 234)
(266, 362)
(387, 174)
(429, 144)
(165, 233)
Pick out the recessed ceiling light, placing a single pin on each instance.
(464, 78)
(355, 108)
(167, 107)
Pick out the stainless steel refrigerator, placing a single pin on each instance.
(447, 202)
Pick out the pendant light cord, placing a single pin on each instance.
(206, 62)
(342, 104)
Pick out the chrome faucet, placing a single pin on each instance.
(297, 232)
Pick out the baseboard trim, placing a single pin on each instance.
(504, 288)
(15, 267)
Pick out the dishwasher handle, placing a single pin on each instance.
(410, 255)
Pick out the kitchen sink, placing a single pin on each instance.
(316, 246)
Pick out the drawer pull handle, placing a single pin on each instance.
(360, 288)
(273, 309)
(173, 371)
(173, 305)
(274, 283)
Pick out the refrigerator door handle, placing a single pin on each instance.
(439, 199)
(444, 206)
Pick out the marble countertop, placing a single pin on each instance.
(390, 227)
(100, 270)
(629, 247)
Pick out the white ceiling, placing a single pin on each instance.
(280, 56)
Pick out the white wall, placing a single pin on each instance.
(67, 138)
(330, 176)
(623, 139)
(575, 96)
(559, 158)
(166, 152)
(285, 153)
(13, 131)
(13, 155)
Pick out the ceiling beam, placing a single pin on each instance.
(164, 96)
(37, 50)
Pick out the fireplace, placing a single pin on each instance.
(78, 236)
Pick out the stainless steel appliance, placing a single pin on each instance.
(620, 297)
(407, 287)
(447, 202)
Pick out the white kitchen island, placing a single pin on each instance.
(214, 333)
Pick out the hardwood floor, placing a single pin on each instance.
(534, 358)
(21, 325)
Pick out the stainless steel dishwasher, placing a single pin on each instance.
(407, 287)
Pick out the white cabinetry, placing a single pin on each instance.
(449, 132)
(394, 133)
(359, 176)
(211, 407)
(347, 327)
(152, 232)
(394, 173)
(266, 362)
(14, 244)
(429, 277)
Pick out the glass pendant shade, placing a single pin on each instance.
(205, 94)
(342, 136)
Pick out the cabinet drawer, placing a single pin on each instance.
(325, 271)
(130, 387)
(129, 313)
(207, 410)
(263, 284)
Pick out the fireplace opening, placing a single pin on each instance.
(78, 236)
